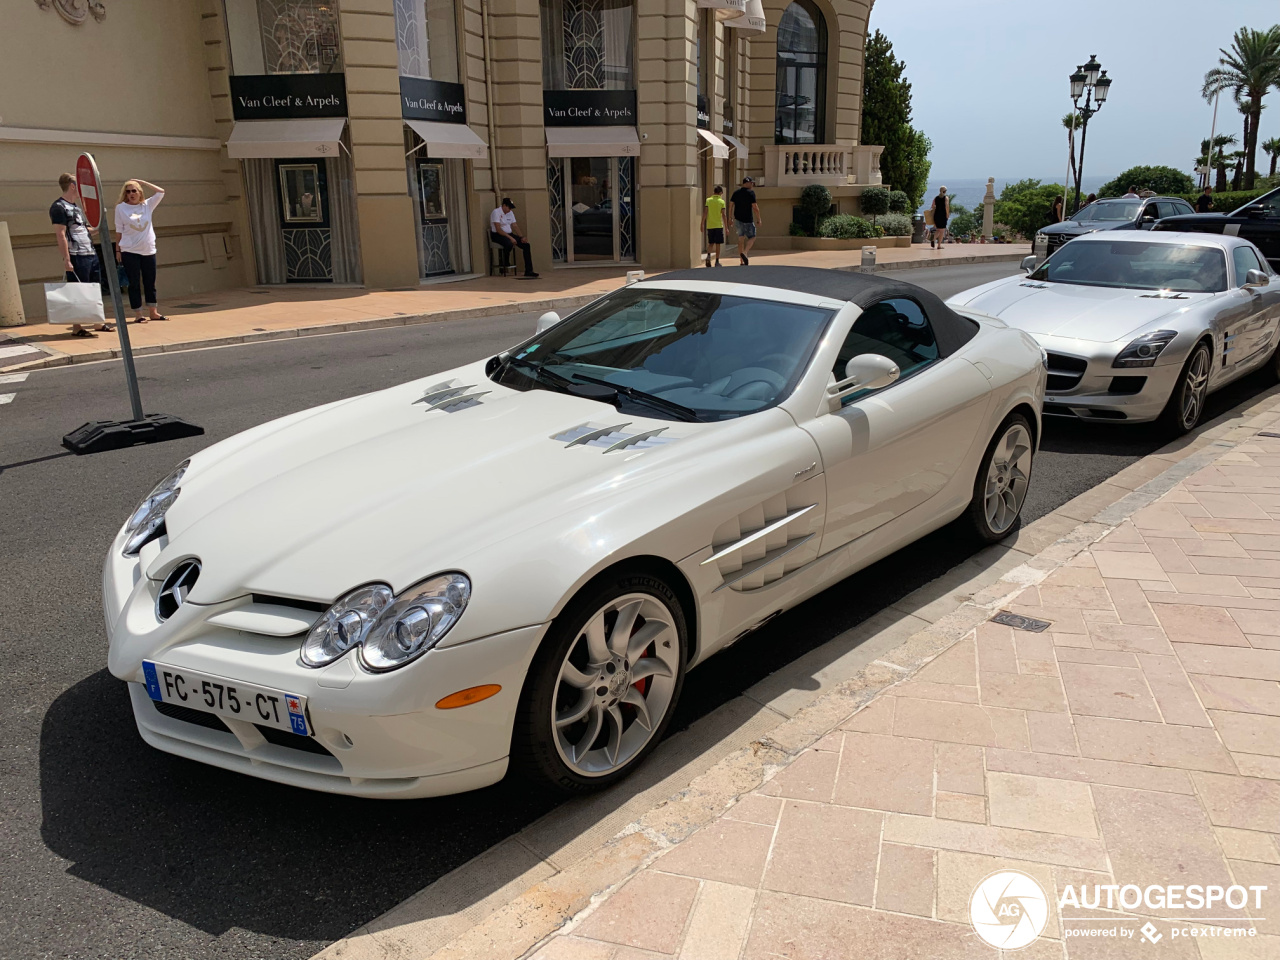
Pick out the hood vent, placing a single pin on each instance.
(607, 439)
(1037, 286)
(452, 397)
(1163, 295)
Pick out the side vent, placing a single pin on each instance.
(765, 543)
(608, 439)
(452, 397)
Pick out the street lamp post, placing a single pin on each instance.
(1091, 82)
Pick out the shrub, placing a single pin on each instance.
(875, 201)
(1163, 180)
(815, 202)
(1025, 205)
(898, 201)
(845, 226)
(796, 230)
(896, 225)
(1226, 201)
(964, 221)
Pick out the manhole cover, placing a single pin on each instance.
(1019, 622)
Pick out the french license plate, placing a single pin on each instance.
(229, 698)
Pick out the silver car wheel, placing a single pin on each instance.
(616, 684)
(1194, 389)
(1008, 478)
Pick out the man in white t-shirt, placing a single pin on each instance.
(504, 231)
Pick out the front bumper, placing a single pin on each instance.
(376, 735)
(1083, 383)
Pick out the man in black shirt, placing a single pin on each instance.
(1204, 202)
(79, 259)
(746, 217)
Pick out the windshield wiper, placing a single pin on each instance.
(540, 372)
(685, 413)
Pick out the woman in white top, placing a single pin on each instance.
(137, 247)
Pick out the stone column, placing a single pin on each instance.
(11, 314)
(988, 208)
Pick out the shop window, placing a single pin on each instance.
(588, 44)
(300, 193)
(284, 36)
(802, 75)
(427, 39)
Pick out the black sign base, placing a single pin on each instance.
(100, 435)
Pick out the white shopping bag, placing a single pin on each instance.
(74, 303)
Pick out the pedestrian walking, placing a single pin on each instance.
(505, 231)
(746, 218)
(136, 251)
(79, 260)
(1204, 202)
(941, 213)
(713, 223)
(1055, 212)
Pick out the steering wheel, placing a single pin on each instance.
(779, 362)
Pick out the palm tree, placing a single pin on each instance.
(1218, 161)
(1072, 121)
(1248, 70)
(1272, 149)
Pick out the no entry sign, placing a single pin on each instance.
(90, 190)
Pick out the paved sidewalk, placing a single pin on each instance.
(1136, 741)
(279, 312)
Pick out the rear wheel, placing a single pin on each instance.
(603, 686)
(1003, 480)
(1186, 403)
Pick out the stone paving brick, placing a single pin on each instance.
(1207, 625)
(1130, 602)
(960, 723)
(960, 806)
(802, 860)
(1261, 641)
(756, 808)
(1032, 646)
(1128, 566)
(1229, 661)
(960, 769)
(1089, 770)
(1159, 744)
(1090, 598)
(1250, 873)
(995, 841)
(1172, 690)
(957, 665)
(996, 653)
(923, 690)
(649, 912)
(1247, 803)
(959, 873)
(1248, 845)
(1265, 622)
(811, 776)
(1230, 506)
(720, 921)
(1039, 803)
(727, 850)
(1207, 584)
(905, 883)
(1108, 658)
(1238, 948)
(1238, 694)
(1248, 732)
(574, 948)
(1052, 733)
(862, 783)
(1169, 555)
(876, 717)
(1022, 692)
(1257, 765)
(1105, 691)
(1038, 668)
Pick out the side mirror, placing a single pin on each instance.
(1029, 264)
(1256, 278)
(867, 371)
(548, 319)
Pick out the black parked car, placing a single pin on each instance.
(1257, 221)
(1117, 213)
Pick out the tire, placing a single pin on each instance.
(581, 724)
(1000, 489)
(1186, 402)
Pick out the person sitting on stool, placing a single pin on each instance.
(505, 233)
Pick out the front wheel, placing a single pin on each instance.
(603, 685)
(1003, 480)
(1186, 403)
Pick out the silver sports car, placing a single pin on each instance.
(1142, 326)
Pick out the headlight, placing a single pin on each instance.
(1144, 351)
(390, 630)
(147, 521)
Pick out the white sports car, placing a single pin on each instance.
(1142, 326)
(515, 562)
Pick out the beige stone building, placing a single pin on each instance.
(366, 141)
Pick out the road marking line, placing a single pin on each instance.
(7, 397)
(14, 378)
(20, 348)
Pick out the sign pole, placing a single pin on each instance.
(122, 328)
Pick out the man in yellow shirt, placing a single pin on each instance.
(713, 223)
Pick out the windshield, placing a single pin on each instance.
(1099, 210)
(1143, 266)
(720, 356)
(1268, 204)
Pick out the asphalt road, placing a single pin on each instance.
(111, 849)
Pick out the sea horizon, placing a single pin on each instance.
(969, 191)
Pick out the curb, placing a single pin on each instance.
(59, 359)
(511, 898)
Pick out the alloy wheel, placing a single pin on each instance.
(1008, 478)
(1195, 388)
(615, 685)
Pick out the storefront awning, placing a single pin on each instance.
(277, 139)
(592, 142)
(719, 149)
(449, 139)
(739, 148)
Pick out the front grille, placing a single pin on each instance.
(198, 717)
(283, 738)
(1056, 240)
(1127, 386)
(1064, 372)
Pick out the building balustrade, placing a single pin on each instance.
(825, 163)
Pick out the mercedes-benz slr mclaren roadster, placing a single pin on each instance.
(1142, 327)
(516, 562)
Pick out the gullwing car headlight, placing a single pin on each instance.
(1143, 351)
(390, 630)
(147, 521)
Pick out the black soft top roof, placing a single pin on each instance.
(952, 330)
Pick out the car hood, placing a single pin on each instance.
(382, 488)
(1101, 314)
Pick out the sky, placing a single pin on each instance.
(990, 80)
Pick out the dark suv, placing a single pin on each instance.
(1114, 213)
(1258, 221)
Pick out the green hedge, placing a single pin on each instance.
(845, 226)
(895, 224)
(1225, 202)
